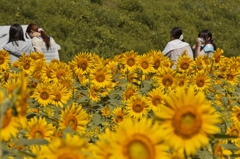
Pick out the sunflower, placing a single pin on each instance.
(235, 115)
(83, 79)
(157, 58)
(4, 60)
(234, 130)
(217, 56)
(75, 117)
(12, 83)
(105, 111)
(137, 106)
(93, 93)
(61, 94)
(166, 78)
(219, 152)
(9, 126)
(232, 76)
(61, 71)
(70, 147)
(38, 150)
(182, 80)
(26, 64)
(100, 76)
(199, 64)
(201, 81)
(145, 63)
(188, 119)
(138, 140)
(47, 72)
(39, 128)
(43, 93)
(156, 98)
(37, 56)
(82, 63)
(185, 63)
(119, 115)
(102, 148)
(129, 61)
(129, 92)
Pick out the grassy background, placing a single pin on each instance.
(110, 27)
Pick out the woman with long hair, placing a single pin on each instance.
(16, 44)
(43, 43)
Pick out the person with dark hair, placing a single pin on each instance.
(43, 43)
(177, 46)
(16, 44)
(204, 44)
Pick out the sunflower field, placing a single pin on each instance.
(130, 106)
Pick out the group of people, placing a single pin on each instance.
(177, 46)
(40, 42)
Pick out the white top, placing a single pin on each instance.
(51, 53)
(175, 48)
(173, 45)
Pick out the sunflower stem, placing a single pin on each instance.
(185, 155)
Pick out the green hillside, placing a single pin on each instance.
(110, 27)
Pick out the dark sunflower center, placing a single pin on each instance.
(230, 77)
(58, 96)
(26, 66)
(72, 122)
(130, 62)
(137, 107)
(144, 64)
(2, 59)
(184, 65)
(7, 118)
(167, 80)
(238, 116)
(60, 74)
(44, 95)
(128, 94)
(119, 118)
(200, 82)
(156, 64)
(156, 100)
(100, 77)
(83, 65)
(38, 134)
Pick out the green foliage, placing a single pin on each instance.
(110, 27)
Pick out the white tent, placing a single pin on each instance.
(4, 34)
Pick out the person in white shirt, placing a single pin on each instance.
(43, 43)
(177, 46)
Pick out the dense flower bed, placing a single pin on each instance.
(131, 106)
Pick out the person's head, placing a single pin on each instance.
(33, 30)
(176, 33)
(16, 33)
(206, 37)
